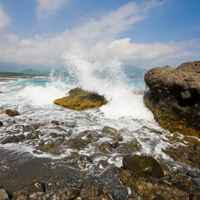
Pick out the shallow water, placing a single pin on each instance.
(33, 98)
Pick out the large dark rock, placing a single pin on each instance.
(80, 99)
(143, 166)
(174, 97)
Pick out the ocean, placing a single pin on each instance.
(33, 97)
(45, 138)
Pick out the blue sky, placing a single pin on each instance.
(30, 25)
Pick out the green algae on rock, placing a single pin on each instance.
(80, 99)
(174, 97)
(143, 166)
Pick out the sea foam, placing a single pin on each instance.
(108, 79)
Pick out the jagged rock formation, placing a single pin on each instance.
(174, 97)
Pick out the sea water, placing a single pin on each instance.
(33, 98)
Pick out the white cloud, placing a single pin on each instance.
(4, 19)
(97, 40)
(50, 6)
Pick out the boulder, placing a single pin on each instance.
(174, 97)
(143, 166)
(80, 99)
(1, 123)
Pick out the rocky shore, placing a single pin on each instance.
(112, 169)
(174, 97)
(59, 154)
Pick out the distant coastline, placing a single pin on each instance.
(13, 74)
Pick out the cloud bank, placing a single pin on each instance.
(4, 19)
(96, 40)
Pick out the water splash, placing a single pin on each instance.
(108, 78)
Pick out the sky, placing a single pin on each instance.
(142, 33)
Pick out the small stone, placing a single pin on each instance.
(51, 146)
(77, 143)
(13, 139)
(54, 122)
(11, 113)
(3, 194)
(32, 135)
(113, 133)
(1, 123)
(105, 147)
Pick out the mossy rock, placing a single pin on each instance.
(80, 99)
(144, 166)
(168, 118)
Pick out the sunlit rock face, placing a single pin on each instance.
(174, 97)
(80, 99)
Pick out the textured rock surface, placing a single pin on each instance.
(80, 99)
(174, 97)
(11, 113)
(143, 166)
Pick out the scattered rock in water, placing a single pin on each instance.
(1, 123)
(143, 166)
(106, 147)
(55, 122)
(174, 97)
(80, 99)
(113, 133)
(51, 146)
(11, 113)
(32, 135)
(77, 143)
(3, 194)
(13, 139)
(31, 127)
(129, 147)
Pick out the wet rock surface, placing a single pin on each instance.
(80, 99)
(143, 166)
(174, 96)
(11, 113)
(58, 159)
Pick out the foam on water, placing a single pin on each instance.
(36, 92)
(108, 79)
(41, 95)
